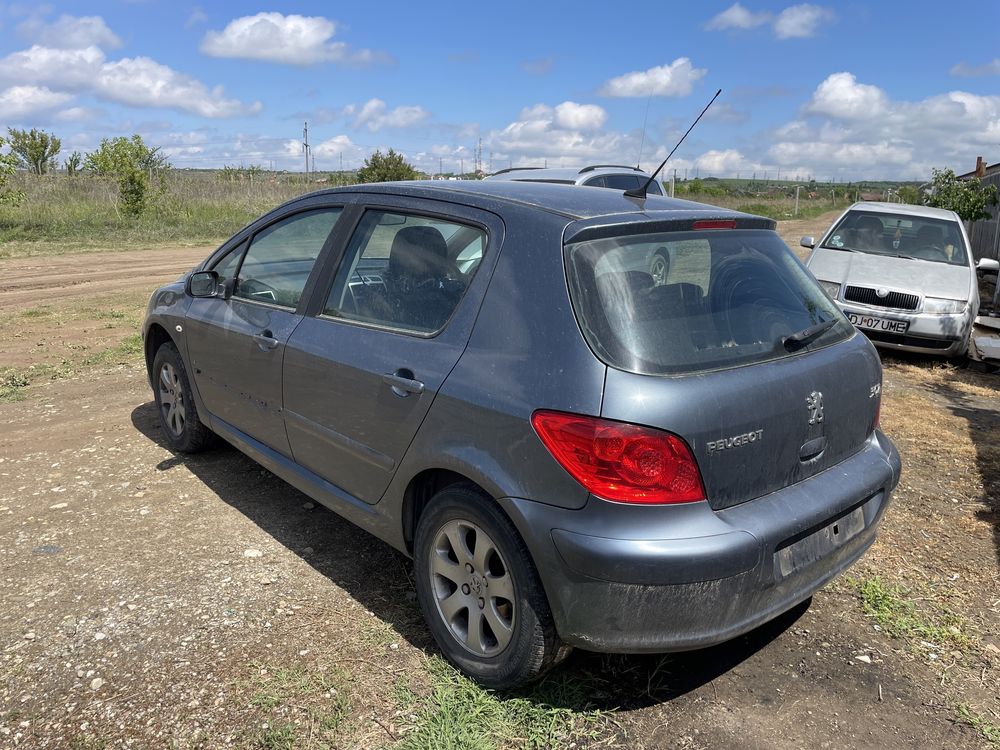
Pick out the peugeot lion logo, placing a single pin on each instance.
(814, 403)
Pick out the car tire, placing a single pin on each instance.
(175, 405)
(464, 544)
(659, 267)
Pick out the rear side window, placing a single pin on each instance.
(719, 299)
(405, 272)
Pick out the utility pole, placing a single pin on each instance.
(797, 188)
(305, 145)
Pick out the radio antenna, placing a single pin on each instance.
(645, 119)
(640, 192)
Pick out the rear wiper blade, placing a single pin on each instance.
(803, 337)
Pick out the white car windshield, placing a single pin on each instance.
(899, 235)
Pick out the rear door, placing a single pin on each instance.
(236, 345)
(710, 355)
(390, 324)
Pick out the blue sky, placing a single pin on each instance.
(848, 91)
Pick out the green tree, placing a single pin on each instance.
(910, 194)
(35, 150)
(74, 163)
(8, 167)
(132, 163)
(968, 198)
(386, 168)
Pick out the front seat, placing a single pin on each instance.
(929, 243)
(424, 285)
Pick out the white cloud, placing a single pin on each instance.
(142, 82)
(855, 130)
(991, 68)
(79, 114)
(573, 116)
(737, 17)
(292, 40)
(794, 22)
(675, 79)
(374, 115)
(801, 21)
(138, 82)
(22, 101)
(71, 32)
(197, 17)
(68, 69)
(841, 96)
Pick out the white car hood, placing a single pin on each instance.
(929, 278)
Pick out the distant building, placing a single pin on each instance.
(985, 233)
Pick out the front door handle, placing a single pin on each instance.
(403, 383)
(265, 340)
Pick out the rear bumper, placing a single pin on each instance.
(670, 578)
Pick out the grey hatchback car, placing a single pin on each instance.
(486, 376)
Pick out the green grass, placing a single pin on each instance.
(892, 607)
(12, 384)
(68, 214)
(988, 730)
(129, 350)
(272, 737)
(460, 714)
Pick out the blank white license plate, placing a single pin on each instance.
(872, 323)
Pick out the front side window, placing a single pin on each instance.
(281, 257)
(899, 235)
(406, 272)
(726, 298)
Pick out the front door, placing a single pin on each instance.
(236, 345)
(360, 377)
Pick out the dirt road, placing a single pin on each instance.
(156, 600)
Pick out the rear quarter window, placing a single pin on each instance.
(727, 298)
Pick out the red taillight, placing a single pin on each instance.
(714, 224)
(621, 462)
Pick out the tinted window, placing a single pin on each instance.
(596, 182)
(727, 298)
(899, 235)
(654, 188)
(280, 258)
(623, 181)
(407, 272)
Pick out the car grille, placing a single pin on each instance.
(867, 296)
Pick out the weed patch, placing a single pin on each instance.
(895, 612)
(460, 714)
(988, 730)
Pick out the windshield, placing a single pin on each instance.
(692, 301)
(899, 235)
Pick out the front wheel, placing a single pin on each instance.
(480, 593)
(175, 404)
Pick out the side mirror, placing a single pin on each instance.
(203, 284)
(808, 241)
(988, 265)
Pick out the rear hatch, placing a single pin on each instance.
(734, 348)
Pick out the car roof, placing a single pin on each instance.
(904, 208)
(566, 174)
(569, 201)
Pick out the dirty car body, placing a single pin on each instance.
(486, 376)
(903, 274)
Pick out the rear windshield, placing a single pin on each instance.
(692, 301)
(899, 235)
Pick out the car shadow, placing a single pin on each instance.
(381, 579)
(982, 417)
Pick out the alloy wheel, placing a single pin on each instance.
(473, 588)
(172, 399)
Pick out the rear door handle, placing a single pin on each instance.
(403, 383)
(265, 340)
